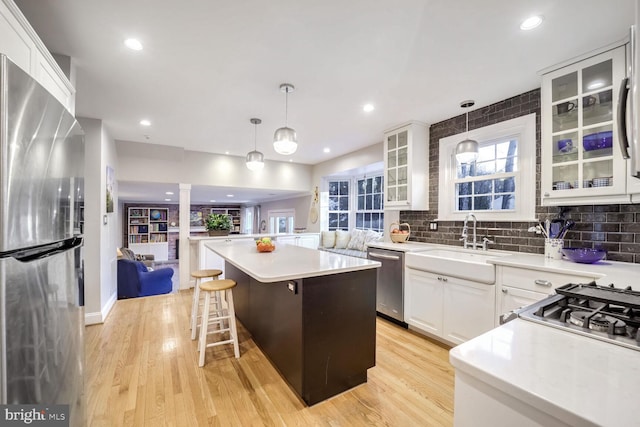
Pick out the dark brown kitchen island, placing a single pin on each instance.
(311, 312)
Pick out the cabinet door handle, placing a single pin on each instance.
(444, 279)
(622, 118)
(543, 282)
(504, 291)
(383, 256)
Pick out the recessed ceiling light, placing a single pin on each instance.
(226, 152)
(169, 193)
(327, 150)
(133, 44)
(595, 85)
(368, 108)
(145, 122)
(167, 200)
(290, 160)
(212, 201)
(230, 195)
(531, 23)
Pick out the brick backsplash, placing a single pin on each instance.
(615, 228)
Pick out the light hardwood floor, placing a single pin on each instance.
(142, 371)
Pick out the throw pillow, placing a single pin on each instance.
(373, 236)
(357, 240)
(328, 239)
(342, 239)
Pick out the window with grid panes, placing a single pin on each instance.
(500, 185)
(339, 204)
(369, 203)
(489, 183)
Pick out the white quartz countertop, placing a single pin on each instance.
(247, 236)
(577, 379)
(287, 262)
(403, 247)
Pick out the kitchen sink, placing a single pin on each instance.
(462, 263)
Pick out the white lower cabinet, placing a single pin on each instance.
(311, 241)
(423, 301)
(453, 309)
(519, 287)
(469, 309)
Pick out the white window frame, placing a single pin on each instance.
(353, 198)
(365, 211)
(273, 216)
(521, 128)
(350, 211)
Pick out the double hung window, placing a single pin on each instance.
(500, 184)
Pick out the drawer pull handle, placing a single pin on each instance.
(504, 291)
(543, 282)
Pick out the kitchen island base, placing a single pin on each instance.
(319, 332)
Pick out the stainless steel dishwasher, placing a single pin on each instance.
(390, 286)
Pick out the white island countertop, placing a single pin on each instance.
(288, 262)
(579, 380)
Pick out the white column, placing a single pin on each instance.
(184, 218)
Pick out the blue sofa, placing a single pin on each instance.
(135, 280)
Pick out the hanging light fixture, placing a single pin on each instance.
(467, 151)
(284, 139)
(255, 159)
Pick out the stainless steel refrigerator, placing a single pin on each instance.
(41, 269)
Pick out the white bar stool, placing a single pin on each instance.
(195, 305)
(210, 288)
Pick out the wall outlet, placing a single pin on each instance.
(433, 226)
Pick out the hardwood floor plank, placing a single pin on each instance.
(142, 370)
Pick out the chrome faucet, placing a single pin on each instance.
(465, 235)
(465, 232)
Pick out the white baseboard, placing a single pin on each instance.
(98, 317)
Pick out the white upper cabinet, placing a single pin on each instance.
(20, 43)
(581, 156)
(406, 165)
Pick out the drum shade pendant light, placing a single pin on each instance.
(255, 159)
(285, 140)
(467, 151)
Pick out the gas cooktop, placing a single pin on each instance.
(606, 313)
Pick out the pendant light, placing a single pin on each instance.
(284, 139)
(255, 159)
(467, 151)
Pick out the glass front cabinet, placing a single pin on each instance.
(581, 157)
(406, 165)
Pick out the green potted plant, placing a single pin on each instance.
(218, 224)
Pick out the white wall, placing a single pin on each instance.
(301, 205)
(100, 239)
(155, 163)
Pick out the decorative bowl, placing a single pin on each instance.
(266, 248)
(584, 255)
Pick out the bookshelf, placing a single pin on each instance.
(148, 231)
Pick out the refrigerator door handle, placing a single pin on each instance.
(622, 118)
(43, 251)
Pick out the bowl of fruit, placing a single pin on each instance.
(265, 245)
(399, 232)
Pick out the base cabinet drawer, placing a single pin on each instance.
(511, 298)
(538, 280)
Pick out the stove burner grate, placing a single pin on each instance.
(598, 322)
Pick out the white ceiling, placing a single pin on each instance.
(209, 66)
